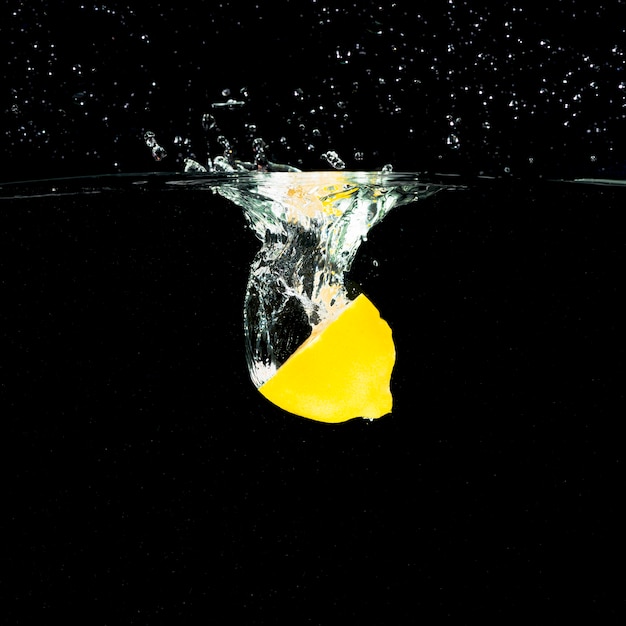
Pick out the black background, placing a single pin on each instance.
(518, 88)
(147, 482)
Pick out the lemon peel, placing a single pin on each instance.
(342, 371)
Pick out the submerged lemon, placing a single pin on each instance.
(341, 371)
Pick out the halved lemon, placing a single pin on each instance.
(342, 371)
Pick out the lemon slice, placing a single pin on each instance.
(342, 371)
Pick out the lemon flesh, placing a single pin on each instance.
(342, 371)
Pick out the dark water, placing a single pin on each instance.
(147, 481)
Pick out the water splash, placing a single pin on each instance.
(312, 347)
(193, 167)
(311, 225)
(228, 104)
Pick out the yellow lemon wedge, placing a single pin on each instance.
(342, 371)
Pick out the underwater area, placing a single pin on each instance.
(188, 192)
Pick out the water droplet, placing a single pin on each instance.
(229, 104)
(334, 160)
(80, 98)
(208, 121)
(258, 147)
(193, 167)
(223, 141)
(158, 152)
(221, 164)
(453, 142)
